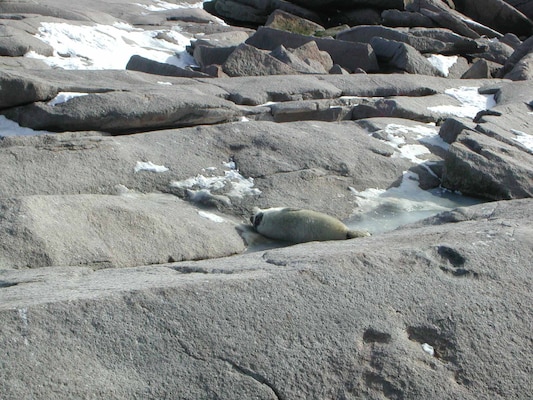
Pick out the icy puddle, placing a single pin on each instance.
(384, 210)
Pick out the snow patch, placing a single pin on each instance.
(232, 183)
(211, 217)
(428, 349)
(442, 63)
(396, 135)
(149, 166)
(11, 128)
(160, 5)
(471, 102)
(63, 97)
(109, 46)
(524, 138)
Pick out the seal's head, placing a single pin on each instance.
(256, 217)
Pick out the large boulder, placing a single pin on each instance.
(103, 231)
(347, 54)
(276, 160)
(123, 112)
(497, 14)
(285, 21)
(398, 56)
(247, 60)
(479, 165)
(328, 4)
(143, 64)
(450, 319)
(293, 59)
(365, 34)
(522, 70)
(16, 43)
(257, 90)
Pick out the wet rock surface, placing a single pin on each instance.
(128, 182)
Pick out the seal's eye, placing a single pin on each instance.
(256, 219)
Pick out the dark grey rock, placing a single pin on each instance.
(337, 69)
(321, 110)
(525, 7)
(285, 21)
(520, 52)
(207, 55)
(252, 326)
(498, 15)
(16, 43)
(293, 59)
(511, 39)
(365, 34)
(143, 64)
(96, 164)
(17, 89)
(328, 4)
(47, 10)
(481, 69)
(103, 231)
(170, 17)
(311, 54)
(402, 57)
(221, 39)
(123, 112)
(248, 12)
(452, 127)
(497, 51)
(512, 93)
(412, 108)
(18, 63)
(396, 18)
(256, 90)
(214, 70)
(358, 16)
(455, 44)
(522, 70)
(483, 166)
(215, 48)
(459, 68)
(452, 22)
(300, 11)
(247, 60)
(347, 54)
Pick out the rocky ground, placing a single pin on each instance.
(127, 178)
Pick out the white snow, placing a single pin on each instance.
(396, 135)
(524, 138)
(63, 97)
(471, 102)
(211, 216)
(109, 46)
(11, 128)
(163, 5)
(149, 166)
(238, 185)
(442, 63)
(428, 349)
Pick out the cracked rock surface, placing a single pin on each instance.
(335, 319)
(126, 192)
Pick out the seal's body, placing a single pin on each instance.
(297, 225)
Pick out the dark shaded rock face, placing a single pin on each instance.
(128, 264)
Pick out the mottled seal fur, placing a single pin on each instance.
(298, 225)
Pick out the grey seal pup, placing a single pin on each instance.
(298, 225)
